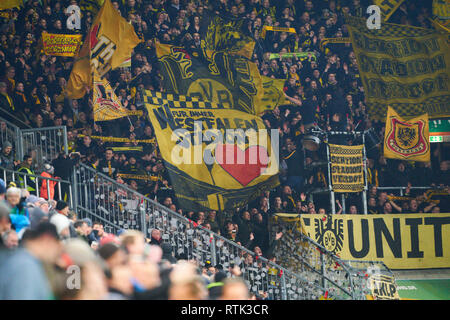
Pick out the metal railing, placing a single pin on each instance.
(44, 144)
(401, 190)
(119, 207)
(11, 133)
(307, 258)
(21, 178)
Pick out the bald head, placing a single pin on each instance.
(235, 289)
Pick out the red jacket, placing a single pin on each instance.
(51, 186)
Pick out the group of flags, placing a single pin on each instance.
(107, 46)
(219, 86)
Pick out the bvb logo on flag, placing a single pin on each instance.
(329, 234)
(406, 139)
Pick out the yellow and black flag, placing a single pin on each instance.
(405, 67)
(108, 44)
(441, 9)
(106, 104)
(407, 140)
(210, 166)
(9, 4)
(387, 7)
(227, 34)
(228, 79)
(92, 6)
(273, 94)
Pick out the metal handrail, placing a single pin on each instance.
(160, 206)
(37, 177)
(33, 175)
(211, 234)
(401, 189)
(15, 118)
(43, 129)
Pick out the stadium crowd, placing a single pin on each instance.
(324, 89)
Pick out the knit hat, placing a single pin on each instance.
(60, 205)
(36, 216)
(60, 221)
(19, 221)
(49, 168)
(7, 144)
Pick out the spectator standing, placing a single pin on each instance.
(47, 190)
(25, 181)
(108, 165)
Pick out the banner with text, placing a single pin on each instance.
(65, 45)
(402, 66)
(275, 29)
(401, 241)
(217, 158)
(347, 168)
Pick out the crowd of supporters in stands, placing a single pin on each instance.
(325, 90)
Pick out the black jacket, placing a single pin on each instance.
(63, 166)
(295, 163)
(103, 167)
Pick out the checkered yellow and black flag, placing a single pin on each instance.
(402, 66)
(207, 169)
(178, 101)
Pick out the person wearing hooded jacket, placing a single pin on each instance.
(47, 190)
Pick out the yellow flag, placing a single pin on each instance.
(441, 9)
(9, 4)
(208, 168)
(221, 77)
(108, 44)
(387, 7)
(91, 5)
(273, 95)
(226, 34)
(106, 104)
(65, 45)
(347, 174)
(404, 67)
(407, 140)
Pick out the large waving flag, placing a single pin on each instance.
(387, 7)
(226, 34)
(221, 77)
(404, 67)
(208, 168)
(106, 104)
(9, 4)
(108, 44)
